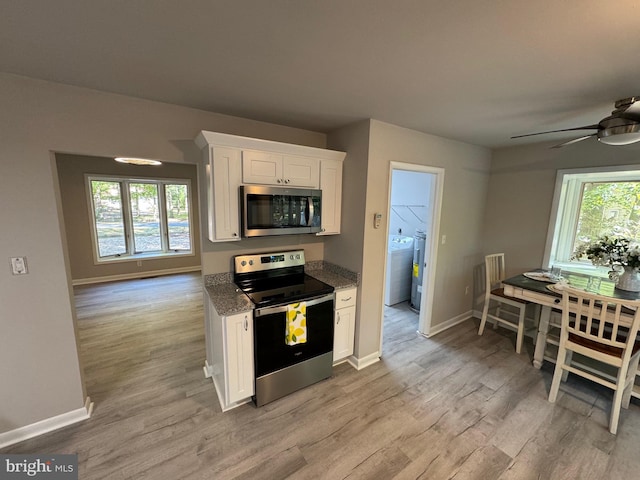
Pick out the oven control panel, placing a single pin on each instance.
(268, 261)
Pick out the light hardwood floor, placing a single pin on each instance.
(453, 406)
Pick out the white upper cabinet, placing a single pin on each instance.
(264, 168)
(268, 168)
(331, 186)
(232, 161)
(300, 171)
(224, 177)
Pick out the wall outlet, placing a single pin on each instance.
(19, 265)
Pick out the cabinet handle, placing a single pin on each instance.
(338, 320)
(279, 180)
(235, 234)
(246, 323)
(346, 299)
(287, 181)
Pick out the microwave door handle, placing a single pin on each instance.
(310, 212)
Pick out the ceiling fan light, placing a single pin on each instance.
(620, 135)
(137, 161)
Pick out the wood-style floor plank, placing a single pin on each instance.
(457, 405)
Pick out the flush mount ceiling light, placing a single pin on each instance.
(137, 161)
(621, 135)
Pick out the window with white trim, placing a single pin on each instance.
(135, 218)
(591, 203)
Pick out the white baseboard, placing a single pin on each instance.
(208, 373)
(441, 327)
(208, 370)
(47, 425)
(131, 276)
(360, 363)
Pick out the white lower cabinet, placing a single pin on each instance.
(230, 356)
(344, 324)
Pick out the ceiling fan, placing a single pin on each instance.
(622, 127)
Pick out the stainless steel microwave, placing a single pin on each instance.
(279, 210)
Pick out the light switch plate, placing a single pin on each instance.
(19, 265)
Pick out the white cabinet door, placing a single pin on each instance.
(263, 168)
(331, 186)
(267, 168)
(344, 323)
(224, 179)
(343, 333)
(300, 171)
(239, 357)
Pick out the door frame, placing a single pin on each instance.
(431, 245)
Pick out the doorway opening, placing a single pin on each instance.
(415, 199)
(123, 306)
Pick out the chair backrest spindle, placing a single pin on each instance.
(494, 270)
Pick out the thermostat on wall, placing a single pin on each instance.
(377, 219)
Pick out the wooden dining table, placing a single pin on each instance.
(540, 292)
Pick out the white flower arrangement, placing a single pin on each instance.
(611, 251)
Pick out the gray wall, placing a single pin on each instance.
(71, 176)
(346, 249)
(521, 193)
(39, 367)
(465, 192)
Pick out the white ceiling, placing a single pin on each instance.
(478, 71)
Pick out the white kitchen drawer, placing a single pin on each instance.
(346, 298)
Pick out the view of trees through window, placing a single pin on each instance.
(608, 208)
(140, 217)
(109, 220)
(177, 197)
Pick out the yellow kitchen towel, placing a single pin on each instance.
(296, 328)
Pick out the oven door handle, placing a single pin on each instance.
(260, 312)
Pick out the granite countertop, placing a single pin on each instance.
(229, 300)
(334, 275)
(226, 297)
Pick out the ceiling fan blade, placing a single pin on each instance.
(575, 140)
(586, 127)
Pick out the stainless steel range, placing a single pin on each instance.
(276, 284)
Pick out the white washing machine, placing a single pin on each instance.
(399, 266)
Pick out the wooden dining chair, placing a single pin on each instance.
(495, 300)
(594, 326)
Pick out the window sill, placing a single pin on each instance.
(139, 257)
(584, 268)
